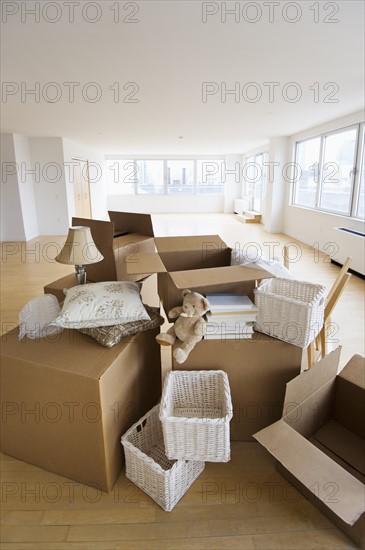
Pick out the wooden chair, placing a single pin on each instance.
(331, 300)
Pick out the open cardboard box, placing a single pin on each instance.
(319, 443)
(119, 240)
(66, 400)
(200, 263)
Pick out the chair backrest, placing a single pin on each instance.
(339, 279)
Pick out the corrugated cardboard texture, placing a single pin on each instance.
(312, 468)
(334, 455)
(258, 371)
(131, 222)
(217, 279)
(126, 249)
(355, 532)
(102, 232)
(66, 401)
(349, 410)
(348, 446)
(309, 398)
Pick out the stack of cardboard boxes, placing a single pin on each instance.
(107, 390)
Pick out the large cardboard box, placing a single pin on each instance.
(319, 442)
(200, 263)
(119, 240)
(66, 400)
(258, 370)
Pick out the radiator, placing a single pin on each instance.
(350, 243)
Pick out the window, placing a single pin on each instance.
(159, 177)
(338, 171)
(180, 177)
(255, 178)
(360, 211)
(307, 159)
(120, 177)
(210, 177)
(325, 175)
(150, 177)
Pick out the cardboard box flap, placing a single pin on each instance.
(315, 470)
(216, 275)
(204, 243)
(310, 381)
(130, 239)
(345, 444)
(354, 371)
(131, 222)
(102, 233)
(69, 351)
(145, 262)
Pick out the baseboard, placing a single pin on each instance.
(352, 271)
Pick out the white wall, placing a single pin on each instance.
(155, 204)
(233, 185)
(72, 150)
(311, 226)
(276, 186)
(12, 227)
(26, 180)
(50, 186)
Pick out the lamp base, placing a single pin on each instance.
(80, 274)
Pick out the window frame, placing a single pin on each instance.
(359, 154)
(219, 192)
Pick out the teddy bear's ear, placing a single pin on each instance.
(206, 304)
(185, 292)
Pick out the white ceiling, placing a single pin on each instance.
(169, 53)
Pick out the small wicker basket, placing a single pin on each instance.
(195, 412)
(146, 464)
(290, 310)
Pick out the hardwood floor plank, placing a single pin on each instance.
(33, 533)
(205, 528)
(25, 517)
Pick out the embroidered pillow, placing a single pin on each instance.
(110, 336)
(102, 304)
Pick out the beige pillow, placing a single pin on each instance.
(109, 336)
(101, 304)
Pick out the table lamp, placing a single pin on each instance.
(79, 250)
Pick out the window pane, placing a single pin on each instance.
(360, 211)
(306, 174)
(150, 177)
(180, 177)
(209, 177)
(338, 171)
(121, 176)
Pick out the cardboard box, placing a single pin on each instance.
(66, 400)
(119, 241)
(258, 370)
(319, 442)
(200, 263)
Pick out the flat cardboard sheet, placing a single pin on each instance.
(315, 470)
(216, 275)
(345, 444)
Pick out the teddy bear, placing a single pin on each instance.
(189, 326)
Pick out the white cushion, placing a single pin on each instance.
(102, 304)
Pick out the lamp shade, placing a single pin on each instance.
(79, 248)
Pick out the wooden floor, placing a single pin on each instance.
(242, 504)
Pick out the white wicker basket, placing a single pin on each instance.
(146, 464)
(290, 310)
(195, 412)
